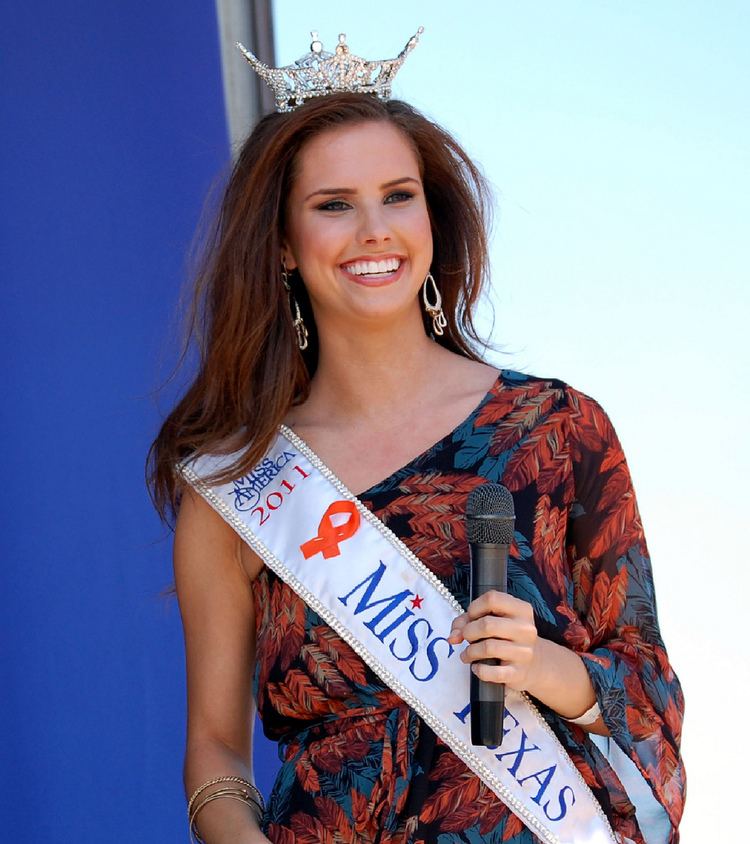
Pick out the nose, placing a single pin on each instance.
(373, 227)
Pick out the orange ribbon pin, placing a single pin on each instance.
(330, 535)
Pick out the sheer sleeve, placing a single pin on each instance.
(616, 631)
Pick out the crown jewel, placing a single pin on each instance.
(318, 73)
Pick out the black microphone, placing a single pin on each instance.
(490, 518)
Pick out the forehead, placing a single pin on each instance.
(349, 155)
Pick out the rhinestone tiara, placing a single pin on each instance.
(318, 73)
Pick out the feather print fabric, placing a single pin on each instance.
(359, 765)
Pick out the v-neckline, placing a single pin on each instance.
(367, 492)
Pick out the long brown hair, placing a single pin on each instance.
(251, 370)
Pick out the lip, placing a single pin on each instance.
(379, 282)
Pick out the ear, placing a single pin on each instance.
(287, 257)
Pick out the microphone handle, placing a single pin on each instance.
(489, 567)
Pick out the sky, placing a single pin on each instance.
(616, 137)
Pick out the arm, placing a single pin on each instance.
(501, 626)
(218, 617)
(614, 654)
(613, 621)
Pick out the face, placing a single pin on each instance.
(357, 225)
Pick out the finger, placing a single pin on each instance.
(508, 652)
(497, 603)
(493, 673)
(500, 627)
(488, 626)
(456, 634)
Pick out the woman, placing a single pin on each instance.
(355, 205)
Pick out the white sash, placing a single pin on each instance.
(396, 614)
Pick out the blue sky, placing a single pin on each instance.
(616, 137)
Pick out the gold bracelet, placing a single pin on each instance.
(240, 780)
(220, 792)
(249, 798)
(233, 794)
(208, 800)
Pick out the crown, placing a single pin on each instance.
(318, 73)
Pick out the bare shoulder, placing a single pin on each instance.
(201, 534)
(457, 383)
(468, 377)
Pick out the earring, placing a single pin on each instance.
(434, 309)
(299, 326)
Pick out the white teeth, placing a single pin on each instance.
(388, 265)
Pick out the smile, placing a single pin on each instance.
(372, 271)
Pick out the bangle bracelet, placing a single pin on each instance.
(249, 795)
(240, 793)
(241, 796)
(240, 780)
(588, 717)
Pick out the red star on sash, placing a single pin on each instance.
(416, 602)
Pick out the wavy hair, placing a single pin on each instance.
(250, 370)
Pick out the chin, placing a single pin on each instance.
(384, 315)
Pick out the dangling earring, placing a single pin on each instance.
(434, 309)
(299, 325)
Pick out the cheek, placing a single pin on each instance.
(319, 240)
(427, 230)
(422, 230)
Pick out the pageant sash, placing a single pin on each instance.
(396, 614)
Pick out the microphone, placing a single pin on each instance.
(490, 518)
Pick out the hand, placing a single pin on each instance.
(500, 626)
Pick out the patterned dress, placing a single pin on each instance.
(358, 764)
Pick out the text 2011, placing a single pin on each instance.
(274, 500)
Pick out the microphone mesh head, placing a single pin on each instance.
(490, 515)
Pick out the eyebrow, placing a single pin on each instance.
(350, 191)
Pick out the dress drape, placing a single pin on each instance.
(357, 763)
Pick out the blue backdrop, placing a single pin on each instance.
(113, 130)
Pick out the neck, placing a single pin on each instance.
(374, 373)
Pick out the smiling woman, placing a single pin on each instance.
(373, 234)
(334, 313)
(273, 209)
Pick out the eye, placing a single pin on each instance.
(399, 196)
(334, 205)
